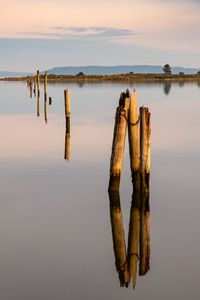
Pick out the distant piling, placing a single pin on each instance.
(31, 86)
(38, 82)
(67, 117)
(67, 108)
(118, 144)
(145, 133)
(45, 98)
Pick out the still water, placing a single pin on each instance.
(55, 230)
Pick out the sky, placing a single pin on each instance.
(48, 33)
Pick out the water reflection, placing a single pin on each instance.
(138, 250)
(167, 87)
(67, 144)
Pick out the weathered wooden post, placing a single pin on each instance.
(134, 140)
(145, 133)
(67, 116)
(50, 100)
(38, 82)
(45, 97)
(119, 142)
(67, 108)
(134, 225)
(119, 244)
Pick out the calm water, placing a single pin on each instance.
(55, 230)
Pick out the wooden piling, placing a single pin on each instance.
(119, 142)
(45, 98)
(45, 83)
(67, 108)
(38, 82)
(134, 141)
(119, 244)
(145, 133)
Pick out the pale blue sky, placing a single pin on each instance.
(43, 34)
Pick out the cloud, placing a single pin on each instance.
(61, 32)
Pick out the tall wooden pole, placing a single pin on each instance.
(134, 224)
(119, 244)
(145, 133)
(119, 142)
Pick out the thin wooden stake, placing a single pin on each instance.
(38, 82)
(45, 98)
(145, 132)
(67, 108)
(118, 142)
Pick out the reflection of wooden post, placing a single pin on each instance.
(67, 145)
(34, 87)
(118, 238)
(118, 142)
(133, 237)
(67, 108)
(145, 132)
(31, 86)
(38, 105)
(45, 97)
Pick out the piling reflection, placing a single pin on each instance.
(119, 245)
(45, 108)
(67, 144)
(38, 105)
(138, 250)
(167, 87)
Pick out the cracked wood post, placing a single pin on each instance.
(145, 132)
(67, 132)
(134, 224)
(118, 236)
(45, 97)
(118, 142)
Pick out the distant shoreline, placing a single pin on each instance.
(113, 78)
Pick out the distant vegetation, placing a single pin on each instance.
(129, 77)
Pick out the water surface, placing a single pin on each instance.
(55, 230)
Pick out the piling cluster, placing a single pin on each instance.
(33, 83)
(138, 250)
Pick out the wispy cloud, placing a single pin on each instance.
(61, 32)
